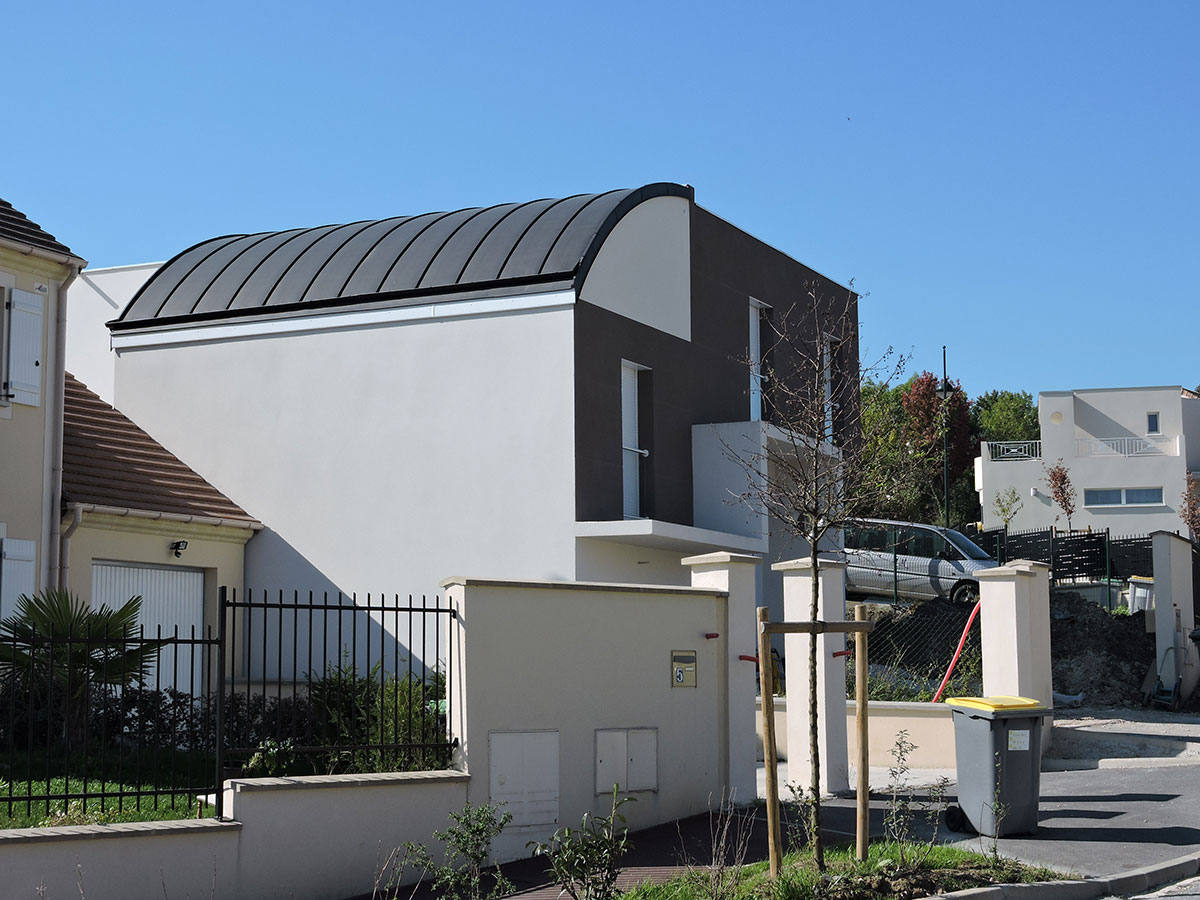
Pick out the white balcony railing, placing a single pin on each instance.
(1151, 445)
(1003, 451)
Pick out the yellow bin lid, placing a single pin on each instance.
(994, 704)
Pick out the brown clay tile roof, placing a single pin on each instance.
(109, 461)
(16, 226)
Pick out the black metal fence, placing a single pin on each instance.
(1072, 554)
(137, 726)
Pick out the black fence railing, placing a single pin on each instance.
(1072, 554)
(141, 726)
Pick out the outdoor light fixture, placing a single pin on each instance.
(178, 547)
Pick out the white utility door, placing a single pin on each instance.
(170, 597)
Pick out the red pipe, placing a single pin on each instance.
(837, 653)
(752, 659)
(961, 643)
(712, 635)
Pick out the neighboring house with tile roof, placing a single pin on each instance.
(138, 521)
(88, 500)
(35, 270)
(529, 390)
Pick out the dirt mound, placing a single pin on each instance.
(1097, 653)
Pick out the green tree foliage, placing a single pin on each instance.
(1005, 416)
(56, 650)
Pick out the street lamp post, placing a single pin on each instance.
(944, 395)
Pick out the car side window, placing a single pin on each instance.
(854, 537)
(923, 543)
(876, 539)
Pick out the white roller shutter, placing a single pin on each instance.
(18, 572)
(170, 597)
(25, 347)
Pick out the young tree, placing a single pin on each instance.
(817, 467)
(1006, 504)
(1062, 492)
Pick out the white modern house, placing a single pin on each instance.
(519, 391)
(1127, 451)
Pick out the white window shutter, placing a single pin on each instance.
(17, 572)
(25, 348)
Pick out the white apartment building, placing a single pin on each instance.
(1127, 451)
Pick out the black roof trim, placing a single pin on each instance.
(448, 293)
(463, 251)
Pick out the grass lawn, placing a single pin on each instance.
(96, 811)
(944, 869)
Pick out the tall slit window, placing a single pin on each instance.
(633, 453)
(756, 358)
(827, 385)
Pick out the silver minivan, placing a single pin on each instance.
(912, 561)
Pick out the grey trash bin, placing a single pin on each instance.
(998, 752)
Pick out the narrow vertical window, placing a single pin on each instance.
(1152, 423)
(755, 355)
(827, 386)
(632, 452)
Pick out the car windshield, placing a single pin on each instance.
(967, 546)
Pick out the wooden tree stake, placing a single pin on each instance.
(766, 681)
(861, 674)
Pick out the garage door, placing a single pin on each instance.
(170, 597)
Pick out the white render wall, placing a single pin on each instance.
(96, 297)
(380, 458)
(1068, 417)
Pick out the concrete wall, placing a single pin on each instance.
(574, 658)
(643, 269)
(929, 725)
(98, 296)
(379, 453)
(311, 838)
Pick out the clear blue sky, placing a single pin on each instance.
(1016, 180)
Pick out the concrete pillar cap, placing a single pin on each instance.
(720, 557)
(805, 564)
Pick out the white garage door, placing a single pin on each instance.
(170, 597)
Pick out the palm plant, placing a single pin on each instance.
(56, 649)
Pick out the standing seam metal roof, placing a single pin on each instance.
(496, 247)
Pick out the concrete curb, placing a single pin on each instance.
(1135, 881)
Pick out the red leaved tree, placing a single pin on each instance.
(1062, 492)
(929, 417)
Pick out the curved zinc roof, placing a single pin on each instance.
(507, 247)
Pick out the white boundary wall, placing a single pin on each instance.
(582, 661)
(313, 838)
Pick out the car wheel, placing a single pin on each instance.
(965, 592)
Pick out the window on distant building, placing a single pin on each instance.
(757, 311)
(634, 381)
(1152, 423)
(1123, 496)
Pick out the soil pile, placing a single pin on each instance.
(1096, 653)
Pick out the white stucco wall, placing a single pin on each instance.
(383, 457)
(591, 657)
(98, 296)
(643, 269)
